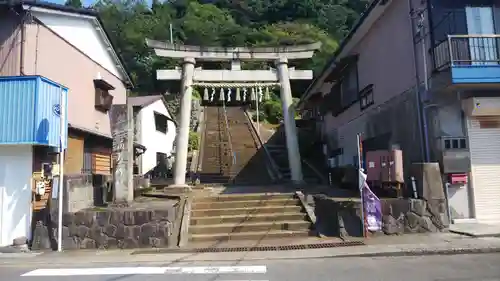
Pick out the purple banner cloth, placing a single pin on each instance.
(372, 209)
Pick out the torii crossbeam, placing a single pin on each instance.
(189, 75)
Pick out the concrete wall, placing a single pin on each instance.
(16, 163)
(50, 55)
(153, 140)
(79, 192)
(399, 216)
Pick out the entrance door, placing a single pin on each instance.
(484, 144)
(480, 21)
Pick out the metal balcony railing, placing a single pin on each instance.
(467, 50)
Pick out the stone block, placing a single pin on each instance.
(82, 231)
(70, 243)
(163, 215)
(149, 229)
(129, 243)
(19, 241)
(87, 243)
(393, 226)
(111, 243)
(85, 218)
(68, 219)
(103, 218)
(121, 232)
(155, 242)
(94, 231)
(110, 230)
(164, 230)
(116, 217)
(427, 225)
(128, 218)
(142, 217)
(418, 206)
(412, 220)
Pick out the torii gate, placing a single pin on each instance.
(191, 76)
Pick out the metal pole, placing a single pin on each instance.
(62, 136)
(258, 122)
(361, 186)
(171, 34)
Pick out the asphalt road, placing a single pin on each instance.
(478, 267)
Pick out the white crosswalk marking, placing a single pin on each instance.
(147, 270)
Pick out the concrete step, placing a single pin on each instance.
(245, 196)
(257, 236)
(246, 203)
(249, 227)
(247, 218)
(243, 211)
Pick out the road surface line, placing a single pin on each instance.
(147, 270)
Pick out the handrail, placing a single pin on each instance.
(229, 136)
(273, 164)
(200, 131)
(451, 36)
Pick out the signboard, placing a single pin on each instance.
(372, 209)
(56, 109)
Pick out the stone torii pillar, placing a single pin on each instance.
(181, 149)
(190, 75)
(289, 121)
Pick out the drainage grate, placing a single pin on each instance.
(252, 248)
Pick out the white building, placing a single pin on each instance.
(154, 128)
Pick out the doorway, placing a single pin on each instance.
(480, 21)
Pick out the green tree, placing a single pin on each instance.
(74, 3)
(222, 23)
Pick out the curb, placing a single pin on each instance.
(424, 252)
(4, 258)
(496, 235)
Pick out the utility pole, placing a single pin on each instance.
(420, 30)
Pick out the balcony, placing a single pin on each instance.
(471, 61)
(30, 111)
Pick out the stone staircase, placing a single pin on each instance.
(230, 153)
(280, 155)
(247, 217)
(216, 158)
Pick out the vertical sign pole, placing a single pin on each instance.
(62, 135)
(361, 185)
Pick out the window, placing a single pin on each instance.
(161, 158)
(479, 22)
(161, 123)
(103, 100)
(349, 86)
(366, 97)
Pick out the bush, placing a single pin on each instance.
(273, 112)
(262, 116)
(194, 141)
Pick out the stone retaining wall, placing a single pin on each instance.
(110, 228)
(342, 218)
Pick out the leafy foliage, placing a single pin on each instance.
(74, 3)
(221, 23)
(194, 141)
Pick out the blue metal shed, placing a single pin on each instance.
(30, 111)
